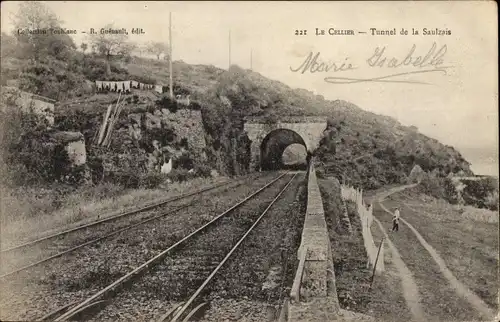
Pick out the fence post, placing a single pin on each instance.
(376, 260)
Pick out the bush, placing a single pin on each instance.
(184, 143)
(129, 180)
(164, 136)
(52, 78)
(491, 201)
(151, 180)
(101, 190)
(30, 154)
(167, 103)
(180, 175)
(94, 68)
(96, 168)
(143, 79)
(77, 120)
(202, 170)
(371, 184)
(438, 187)
(320, 174)
(185, 161)
(75, 175)
(451, 194)
(432, 186)
(481, 193)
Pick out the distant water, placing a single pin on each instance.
(483, 161)
(485, 169)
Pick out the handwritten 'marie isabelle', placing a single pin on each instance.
(431, 62)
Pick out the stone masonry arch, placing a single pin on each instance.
(307, 131)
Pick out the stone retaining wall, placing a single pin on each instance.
(317, 292)
(29, 102)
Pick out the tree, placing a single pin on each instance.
(8, 45)
(36, 16)
(110, 45)
(157, 48)
(129, 48)
(140, 49)
(84, 47)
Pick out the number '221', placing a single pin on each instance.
(300, 32)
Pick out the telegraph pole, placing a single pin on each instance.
(171, 86)
(229, 49)
(251, 60)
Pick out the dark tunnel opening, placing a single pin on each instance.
(273, 149)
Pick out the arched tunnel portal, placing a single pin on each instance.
(268, 141)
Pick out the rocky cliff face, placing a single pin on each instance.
(150, 131)
(187, 124)
(170, 135)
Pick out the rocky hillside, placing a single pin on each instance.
(377, 146)
(370, 149)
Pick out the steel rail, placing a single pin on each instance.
(235, 247)
(172, 311)
(88, 306)
(159, 256)
(128, 213)
(52, 314)
(90, 242)
(194, 311)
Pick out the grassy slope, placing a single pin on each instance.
(469, 247)
(438, 299)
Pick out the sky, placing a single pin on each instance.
(458, 104)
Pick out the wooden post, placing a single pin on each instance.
(229, 58)
(102, 130)
(234, 155)
(251, 59)
(171, 79)
(119, 110)
(111, 122)
(376, 260)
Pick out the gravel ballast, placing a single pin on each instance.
(176, 277)
(21, 257)
(28, 296)
(255, 282)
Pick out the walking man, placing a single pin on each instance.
(395, 220)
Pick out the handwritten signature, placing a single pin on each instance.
(432, 62)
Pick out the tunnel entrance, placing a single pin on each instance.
(274, 145)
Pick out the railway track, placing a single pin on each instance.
(256, 282)
(176, 271)
(88, 269)
(27, 255)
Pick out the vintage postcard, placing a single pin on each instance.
(249, 161)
